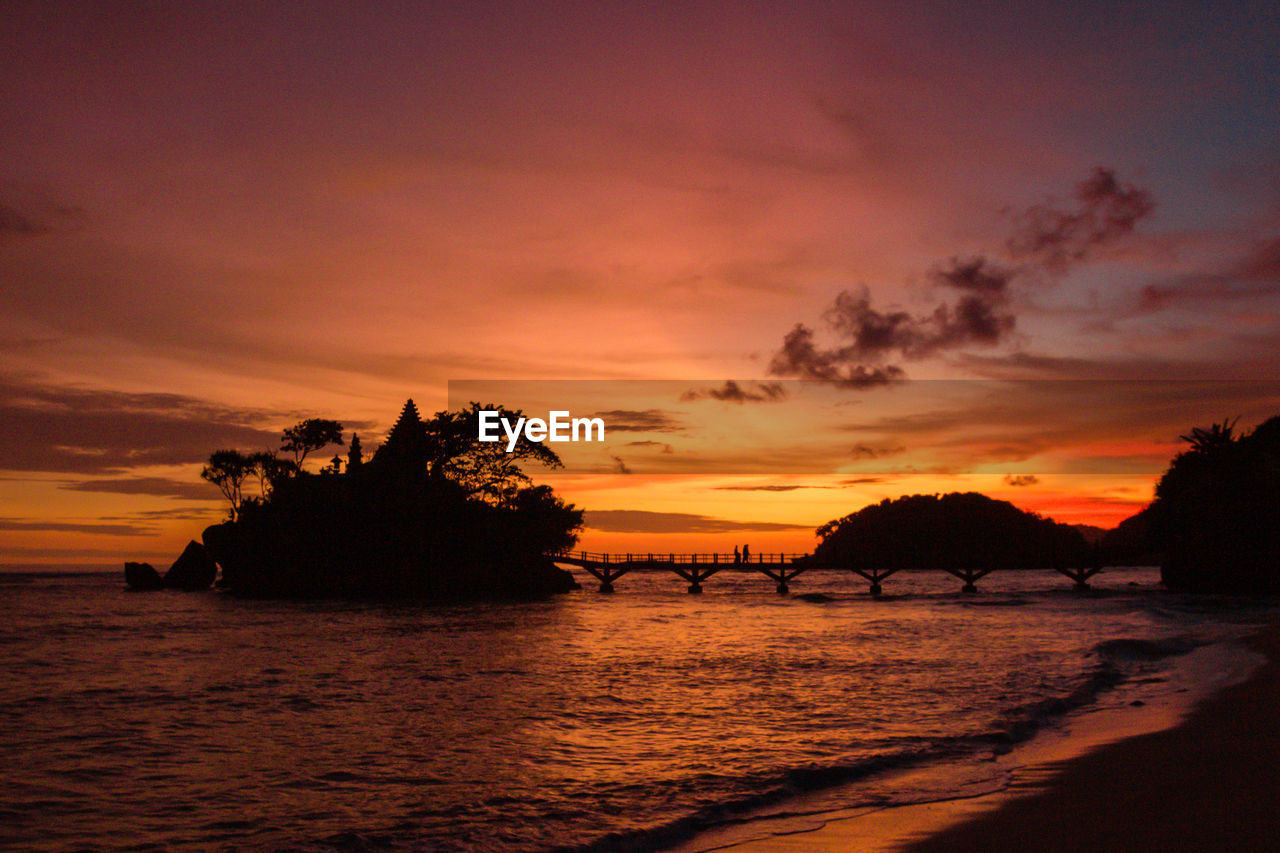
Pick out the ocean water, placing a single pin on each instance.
(586, 722)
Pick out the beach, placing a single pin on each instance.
(1210, 782)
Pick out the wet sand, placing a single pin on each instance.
(1210, 783)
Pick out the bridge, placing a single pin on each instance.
(780, 568)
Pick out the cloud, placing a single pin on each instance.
(644, 521)
(768, 488)
(1105, 211)
(977, 313)
(74, 527)
(30, 212)
(1255, 275)
(619, 466)
(637, 420)
(84, 431)
(14, 222)
(666, 448)
(196, 490)
(867, 451)
(801, 357)
(1021, 479)
(870, 337)
(732, 392)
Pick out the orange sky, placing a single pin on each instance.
(216, 219)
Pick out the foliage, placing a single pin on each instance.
(483, 469)
(310, 435)
(228, 469)
(1216, 516)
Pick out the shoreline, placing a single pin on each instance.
(1111, 773)
(1208, 783)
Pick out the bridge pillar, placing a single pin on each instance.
(695, 588)
(605, 586)
(876, 588)
(783, 589)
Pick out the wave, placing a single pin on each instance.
(1011, 727)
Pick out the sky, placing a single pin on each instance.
(219, 218)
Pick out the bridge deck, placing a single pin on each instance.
(781, 567)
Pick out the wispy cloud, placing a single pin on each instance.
(644, 521)
(733, 392)
(638, 420)
(87, 431)
(196, 490)
(19, 524)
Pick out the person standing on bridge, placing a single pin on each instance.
(746, 554)
(737, 558)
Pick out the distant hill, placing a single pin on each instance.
(1091, 533)
(959, 530)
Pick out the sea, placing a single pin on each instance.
(634, 721)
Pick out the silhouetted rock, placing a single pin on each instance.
(194, 569)
(142, 576)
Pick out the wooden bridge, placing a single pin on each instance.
(780, 568)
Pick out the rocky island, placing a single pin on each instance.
(433, 514)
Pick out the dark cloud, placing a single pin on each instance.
(31, 212)
(637, 420)
(1021, 479)
(767, 488)
(1105, 211)
(15, 223)
(644, 521)
(1255, 275)
(866, 451)
(732, 392)
(780, 487)
(868, 341)
(861, 481)
(74, 527)
(802, 358)
(81, 431)
(868, 337)
(619, 466)
(196, 490)
(666, 448)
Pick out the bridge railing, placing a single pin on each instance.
(671, 558)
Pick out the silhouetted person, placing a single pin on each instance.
(737, 558)
(746, 554)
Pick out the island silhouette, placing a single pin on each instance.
(431, 514)
(435, 513)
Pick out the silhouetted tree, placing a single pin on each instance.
(483, 469)
(309, 435)
(228, 469)
(1216, 515)
(355, 455)
(269, 469)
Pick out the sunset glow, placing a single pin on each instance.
(217, 219)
